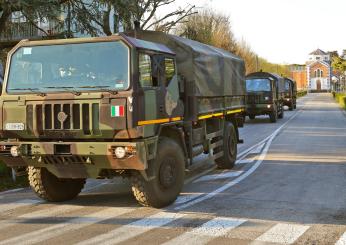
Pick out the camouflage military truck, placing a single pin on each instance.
(290, 99)
(141, 108)
(265, 95)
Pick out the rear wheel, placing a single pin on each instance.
(49, 187)
(168, 169)
(252, 117)
(291, 106)
(229, 148)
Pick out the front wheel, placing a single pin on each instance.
(273, 115)
(252, 117)
(50, 188)
(281, 115)
(168, 170)
(229, 148)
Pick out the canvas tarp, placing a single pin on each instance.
(215, 72)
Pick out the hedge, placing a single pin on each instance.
(341, 99)
(301, 93)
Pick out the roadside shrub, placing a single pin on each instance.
(301, 93)
(341, 99)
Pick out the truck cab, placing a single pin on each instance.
(290, 99)
(264, 93)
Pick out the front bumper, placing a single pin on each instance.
(79, 159)
(259, 109)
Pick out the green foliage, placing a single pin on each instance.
(267, 66)
(341, 99)
(339, 64)
(301, 93)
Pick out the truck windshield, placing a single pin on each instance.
(75, 67)
(253, 85)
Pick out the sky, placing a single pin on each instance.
(284, 31)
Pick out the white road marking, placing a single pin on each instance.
(245, 161)
(70, 225)
(257, 150)
(18, 204)
(134, 229)
(342, 240)
(11, 191)
(283, 233)
(241, 177)
(187, 197)
(217, 227)
(45, 213)
(224, 175)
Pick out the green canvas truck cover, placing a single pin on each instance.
(215, 72)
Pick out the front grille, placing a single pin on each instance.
(84, 116)
(253, 99)
(52, 159)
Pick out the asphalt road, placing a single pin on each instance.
(288, 187)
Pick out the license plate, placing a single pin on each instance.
(15, 126)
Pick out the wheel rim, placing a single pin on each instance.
(168, 173)
(231, 146)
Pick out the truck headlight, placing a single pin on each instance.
(120, 152)
(266, 98)
(15, 151)
(268, 106)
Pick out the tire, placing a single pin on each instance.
(281, 115)
(291, 106)
(295, 106)
(273, 115)
(229, 148)
(50, 188)
(168, 169)
(252, 117)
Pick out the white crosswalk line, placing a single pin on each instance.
(46, 213)
(18, 204)
(134, 229)
(342, 240)
(217, 227)
(283, 233)
(225, 175)
(187, 197)
(70, 225)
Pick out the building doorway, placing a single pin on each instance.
(318, 84)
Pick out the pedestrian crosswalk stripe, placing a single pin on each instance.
(70, 225)
(342, 240)
(216, 227)
(134, 229)
(283, 233)
(45, 213)
(18, 204)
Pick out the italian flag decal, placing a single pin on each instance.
(117, 111)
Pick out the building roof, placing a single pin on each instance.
(318, 52)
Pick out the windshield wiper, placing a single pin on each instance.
(77, 93)
(33, 90)
(102, 88)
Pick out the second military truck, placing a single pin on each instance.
(140, 105)
(265, 95)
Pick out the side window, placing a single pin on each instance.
(169, 69)
(145, 72)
